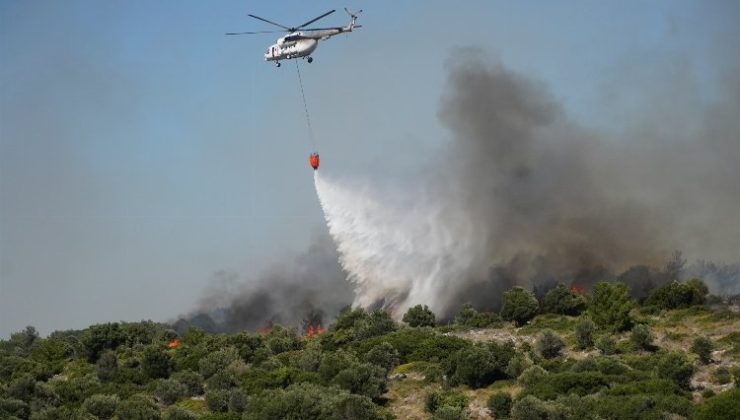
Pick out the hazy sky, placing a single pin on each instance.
(142, 150)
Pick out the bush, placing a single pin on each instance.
(479, 365)
(499, 404)
(610, 306)
(675, 295)
(703, 347)
(529, 408)
(432, 401)
(12, 408)
(419, 316)
(722, 406)
(606, 345)
(642, 337)
(383, 355)
(217, 361)
(98, 338)
(156, 363)
(549, 344)
(101, 406)
(532, 375)
(168, 391)
(561, 300)
(178, 413)
(518, 364)
(676, 367)
(311, 402)
(138, 407)
(363, 379)
(217, 400)
(193, 382)
(237, 400)
(584, 333)
(518, 305)
(107, 366)
(450, 413)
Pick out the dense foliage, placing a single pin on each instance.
(525, 369)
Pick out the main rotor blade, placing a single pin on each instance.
(270, 22)
(315, 19)
(320, 29)
(253, 32)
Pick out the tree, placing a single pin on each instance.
(549, 344)
(561, 300)
(107, 366)
(584, 333)
(193, 382)
(610, 306)
(419, 316)
(642, 337)
(518, 305)
(21, 342)
(100, 337)
(178, 413)
(466, 314)
(156, 363)
(217, 400)
(703, 347)
(499, 404)
(168, 391)
(479, 365)
(101, 406)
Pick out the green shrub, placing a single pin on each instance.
(518, 305)
(383, 355)
(432, 401)
(723, 406)
(156, 363)
(217, 400)
(551, 386)
(193, 382)
(100, 337)
(14, 408)
(549, 344)
(561, 300)
(722, 375)
(450, 413)
(610, 306)
(419, 316)
(237, 400)
(606, 345)
(499, 404)
(584, 333)
(676, 367)
(675, 295)
(179, 413)
(529, 408)
(532, 375)
(703, 347)
(479, 365)
(518, 364)
(642, 337)
(101, 406)
(217, 361)
(138, 407)
(107, 366)
(168, 391)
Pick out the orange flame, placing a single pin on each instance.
(174, 343)
(314, 331)
(575, 288)
(266, 329)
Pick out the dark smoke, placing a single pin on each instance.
(301, 290)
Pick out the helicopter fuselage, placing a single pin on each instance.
(301, 43)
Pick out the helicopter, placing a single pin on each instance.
(301, 41)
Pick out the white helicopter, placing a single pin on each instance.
(301, 42)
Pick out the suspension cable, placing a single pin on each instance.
(305, 106)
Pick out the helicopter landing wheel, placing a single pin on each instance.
(310, 60)
(277, 64)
